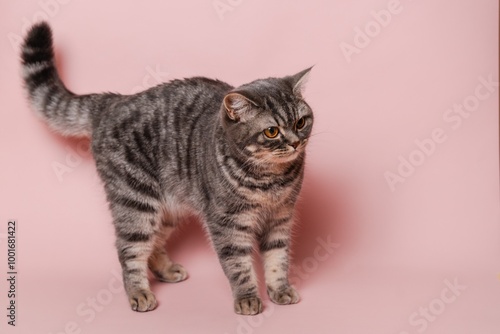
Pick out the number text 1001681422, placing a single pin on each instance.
(11, 272)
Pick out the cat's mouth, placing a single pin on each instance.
(286, 155)
(282, 155)
(290, 153)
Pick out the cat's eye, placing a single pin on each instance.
(271, 132)
(300, 123)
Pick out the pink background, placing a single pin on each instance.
(395, 249)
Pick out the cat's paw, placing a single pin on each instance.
(142, 300)
(285, 296)
(175, 273)
(248, 306)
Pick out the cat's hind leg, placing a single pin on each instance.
(160, 264)
(136, 236)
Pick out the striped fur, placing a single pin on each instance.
(192, 146)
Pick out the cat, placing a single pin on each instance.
(233, 156)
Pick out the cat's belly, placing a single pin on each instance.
(176, 209)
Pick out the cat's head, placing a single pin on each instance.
(268, 120)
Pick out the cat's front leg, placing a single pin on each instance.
(274, 245)
(233, 240)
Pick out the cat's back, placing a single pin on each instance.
(188, 87)
(168, 106)
(177, 96)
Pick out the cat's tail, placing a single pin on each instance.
(65, 112)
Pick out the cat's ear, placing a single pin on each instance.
(238, 106)
(299, 80)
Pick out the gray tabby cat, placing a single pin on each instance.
(232, 156)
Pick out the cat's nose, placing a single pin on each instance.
(295, 144)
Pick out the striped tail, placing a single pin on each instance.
(65, 112)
